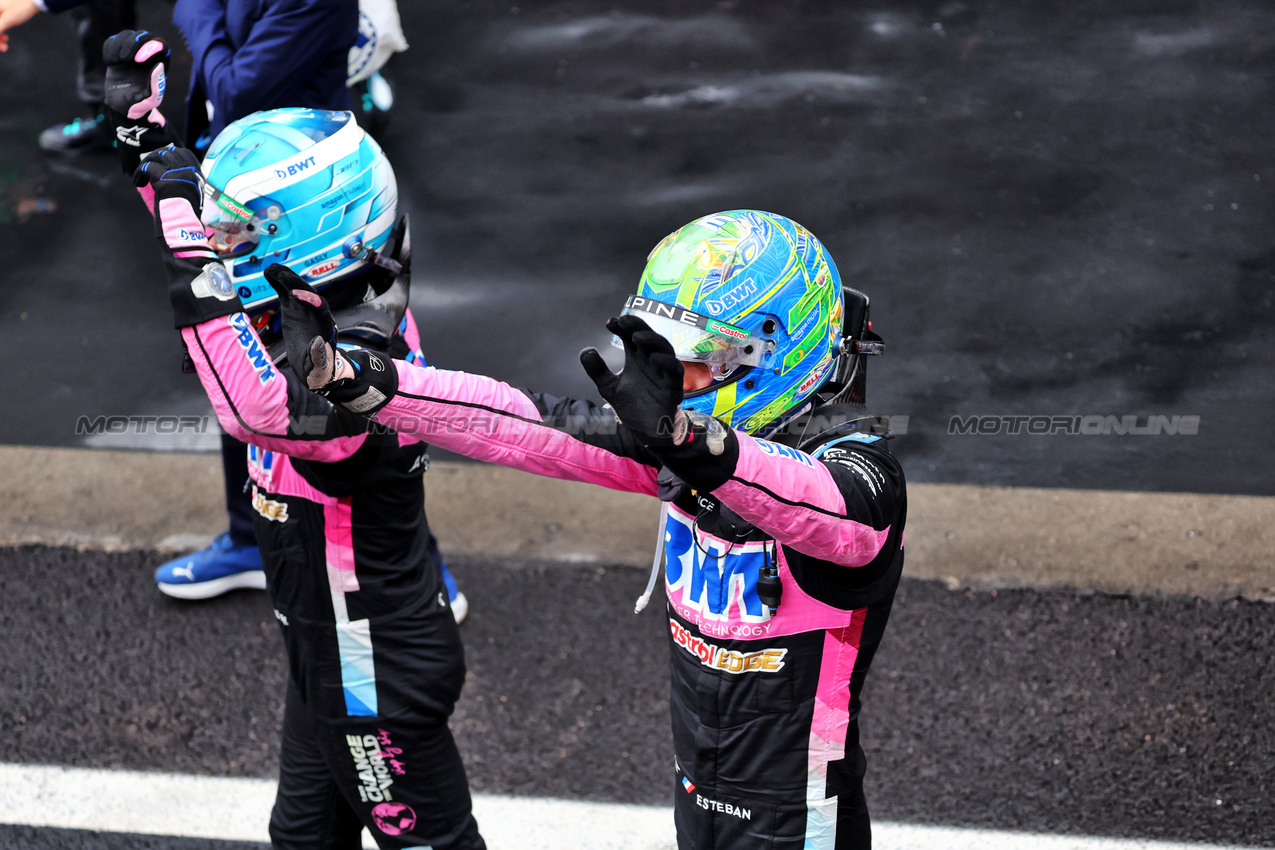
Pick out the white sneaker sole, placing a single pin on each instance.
(460, 607)
(251, 579)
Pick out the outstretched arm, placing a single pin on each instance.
(489, 420)
(837, 513)
(471, 415)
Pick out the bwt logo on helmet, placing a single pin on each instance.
(731, 299)
(294, 168)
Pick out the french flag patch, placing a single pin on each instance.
(688, 785)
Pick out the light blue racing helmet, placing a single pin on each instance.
(303, 187)
(756, 297)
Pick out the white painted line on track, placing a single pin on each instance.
(239, 810)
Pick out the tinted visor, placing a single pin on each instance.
(234, 229)
(696, 338)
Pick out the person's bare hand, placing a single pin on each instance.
(14, 13)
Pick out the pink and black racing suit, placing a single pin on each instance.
(374, 655)
(764, 705)
(375, 658)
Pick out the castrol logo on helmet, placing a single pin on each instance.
(723, 329)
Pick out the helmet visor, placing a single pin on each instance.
(696, 338)
(233, 227)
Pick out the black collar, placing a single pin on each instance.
(822, 424)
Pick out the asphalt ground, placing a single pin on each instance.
(1060, 712)
(41, 838)
(1057, 209)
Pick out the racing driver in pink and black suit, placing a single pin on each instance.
(375, 660)
(782, 555)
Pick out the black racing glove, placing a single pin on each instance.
(136, 67)
(199, 288)
(361, 381)
(647, 398)
(648, 391)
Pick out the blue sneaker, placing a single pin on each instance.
(457, 600)
(460, 605)
(217, 568)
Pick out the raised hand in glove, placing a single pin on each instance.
(199, 288)
(361, 381)
(647, 393)
(136, 65)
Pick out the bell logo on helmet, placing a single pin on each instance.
(316, 271)
(813, 381)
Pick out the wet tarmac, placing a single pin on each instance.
(1058, 210)
(1062, 713)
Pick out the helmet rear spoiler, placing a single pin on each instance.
(848, 382)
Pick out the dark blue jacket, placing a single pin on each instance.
(260, 54)
(251, 55)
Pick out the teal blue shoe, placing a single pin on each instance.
(82, 135)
